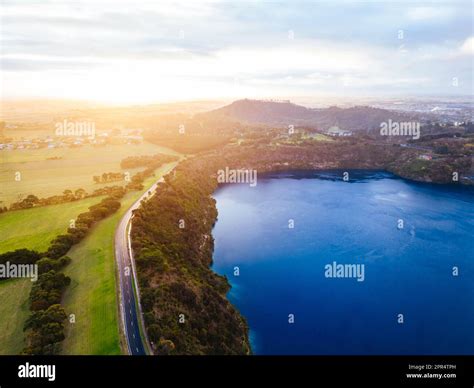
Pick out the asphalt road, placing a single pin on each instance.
(129, 312)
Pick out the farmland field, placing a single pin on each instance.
(35, 228)
(32, 229)
(72, 169)
(13, 313)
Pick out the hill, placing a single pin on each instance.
(284, 113)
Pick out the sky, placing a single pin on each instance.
(144, 52)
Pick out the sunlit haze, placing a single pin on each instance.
(122, 52)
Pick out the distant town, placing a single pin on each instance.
(101, 138)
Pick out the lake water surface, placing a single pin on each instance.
(407, 270)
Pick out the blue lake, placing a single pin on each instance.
(407, 270)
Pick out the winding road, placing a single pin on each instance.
(131, 315)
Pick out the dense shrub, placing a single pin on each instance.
(45, 330)
(173, 269)
(20, 256)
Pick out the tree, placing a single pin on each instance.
(165, 346)
(30, 201)
(67, 192)
(45, 330)
(20, 256)
(80, 193)
(46, 264)
(47, 290)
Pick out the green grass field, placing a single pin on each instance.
(13, 313)
(74, 170)
(35, 228)
(92, 295)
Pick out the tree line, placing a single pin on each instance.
(183, 300)
(152, 163)
(32, 200)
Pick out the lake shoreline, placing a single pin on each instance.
(334, 175)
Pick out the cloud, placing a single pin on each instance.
(165, 49)
(19, 64)
(468, 46)
(430, 13)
